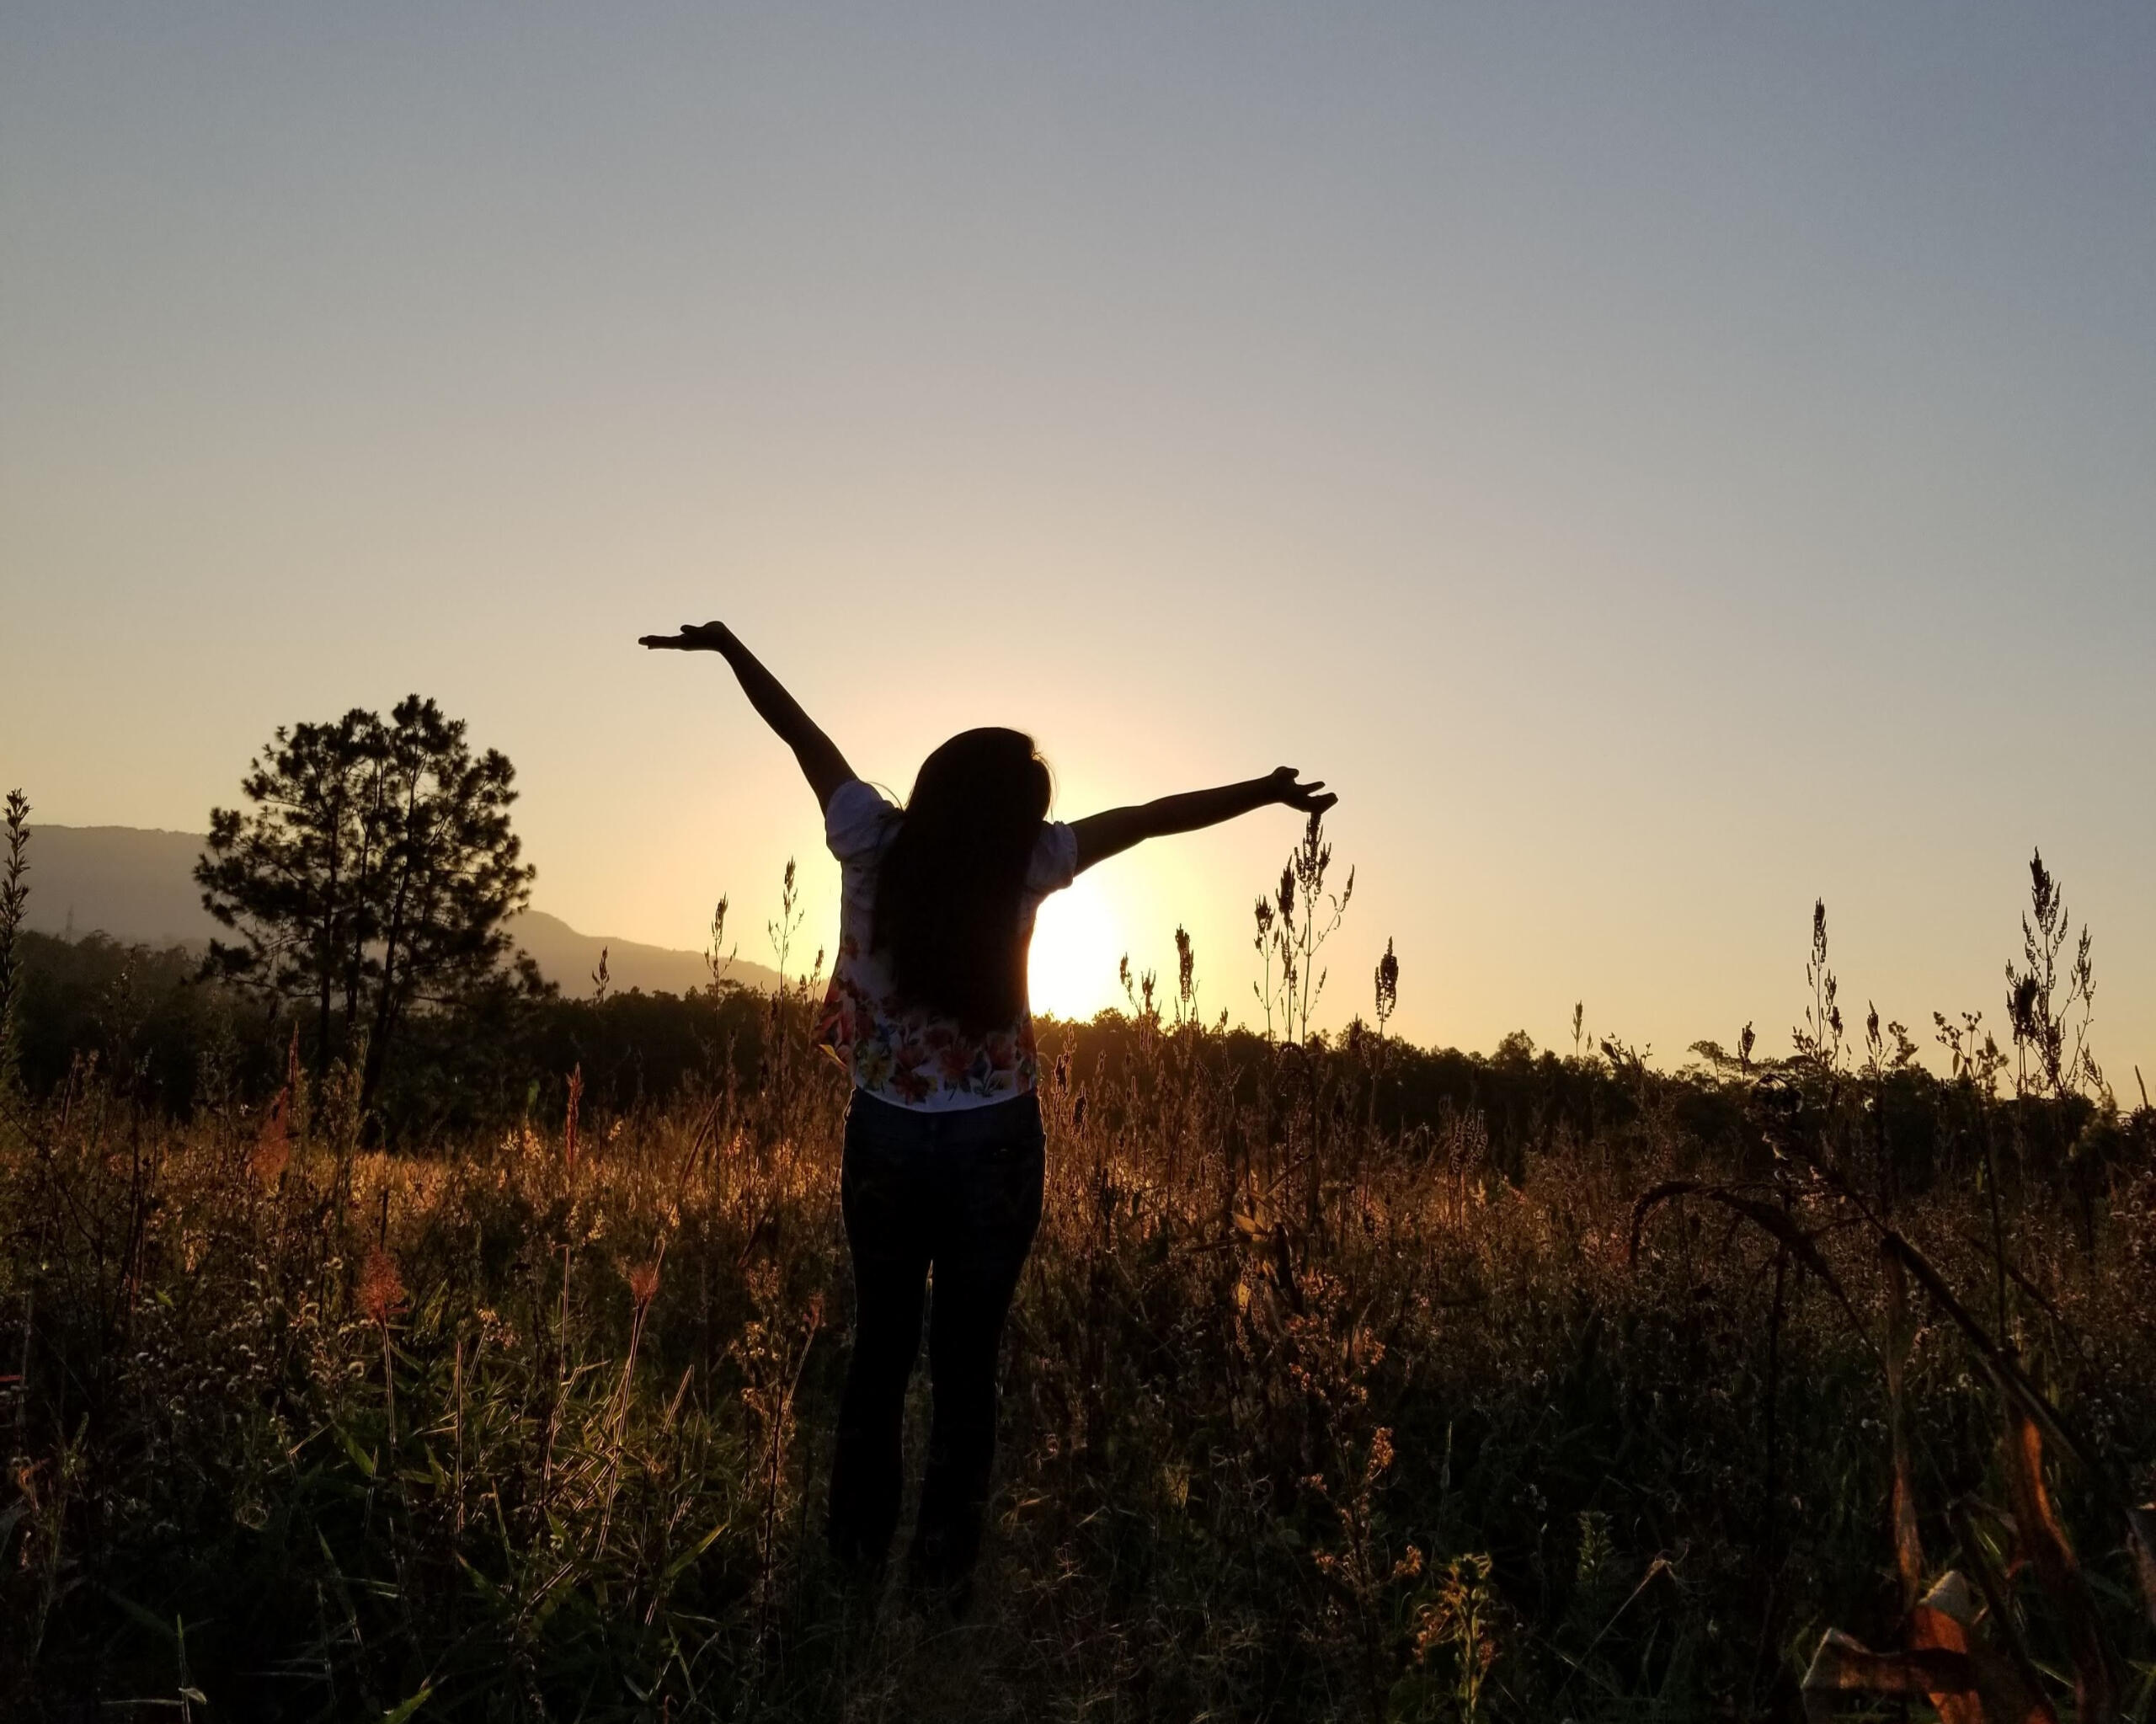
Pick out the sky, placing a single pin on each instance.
(1660, 464)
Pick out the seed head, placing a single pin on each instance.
(273, 1147)
(381, 1289)
(568, 1123)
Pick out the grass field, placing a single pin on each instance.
(1311, 1410)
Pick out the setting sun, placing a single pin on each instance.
(1073, 966)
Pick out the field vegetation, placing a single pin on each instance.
(1348, 1379)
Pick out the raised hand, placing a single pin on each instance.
(694, 637)
(1310, 798)
(823, 765)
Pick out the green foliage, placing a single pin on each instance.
(138, 1014)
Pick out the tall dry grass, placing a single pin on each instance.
(1310, 1412)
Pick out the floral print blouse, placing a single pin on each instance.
(903, 1054)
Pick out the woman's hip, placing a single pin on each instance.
(1012, 1123)
(935, 1181)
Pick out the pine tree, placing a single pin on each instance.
(369, 875)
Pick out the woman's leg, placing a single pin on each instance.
(985, 1228)
(887, 1234)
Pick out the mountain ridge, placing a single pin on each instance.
(135, 883)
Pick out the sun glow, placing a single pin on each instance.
(1072, 972)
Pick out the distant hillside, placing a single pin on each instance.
(136, 884)
(567, 957)
(124, 881)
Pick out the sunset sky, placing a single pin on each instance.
(1661, 464)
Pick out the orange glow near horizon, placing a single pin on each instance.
(1073, 968)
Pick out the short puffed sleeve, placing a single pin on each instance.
(1054, 864)
(857, 822)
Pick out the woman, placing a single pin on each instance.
(944, 1142)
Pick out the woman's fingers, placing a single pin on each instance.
(1311, 797)
(692, 636)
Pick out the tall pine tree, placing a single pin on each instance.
(370, 874)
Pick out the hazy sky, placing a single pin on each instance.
(1662, 464)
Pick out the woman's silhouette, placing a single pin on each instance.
(944, 1142)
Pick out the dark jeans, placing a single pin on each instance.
(960, 1192)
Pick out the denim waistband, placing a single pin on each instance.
(1012, 1120)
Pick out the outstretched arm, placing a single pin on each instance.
(821, 762)
(1102, 836)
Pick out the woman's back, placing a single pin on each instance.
(902, 1050)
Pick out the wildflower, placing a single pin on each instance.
(643, 1282)
(381, 1289)
(1462, 1617)
(569, 1124)
(273, 1147)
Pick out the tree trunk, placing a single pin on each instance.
(327, 958)
(386, 1003)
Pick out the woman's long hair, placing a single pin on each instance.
(948, 889)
